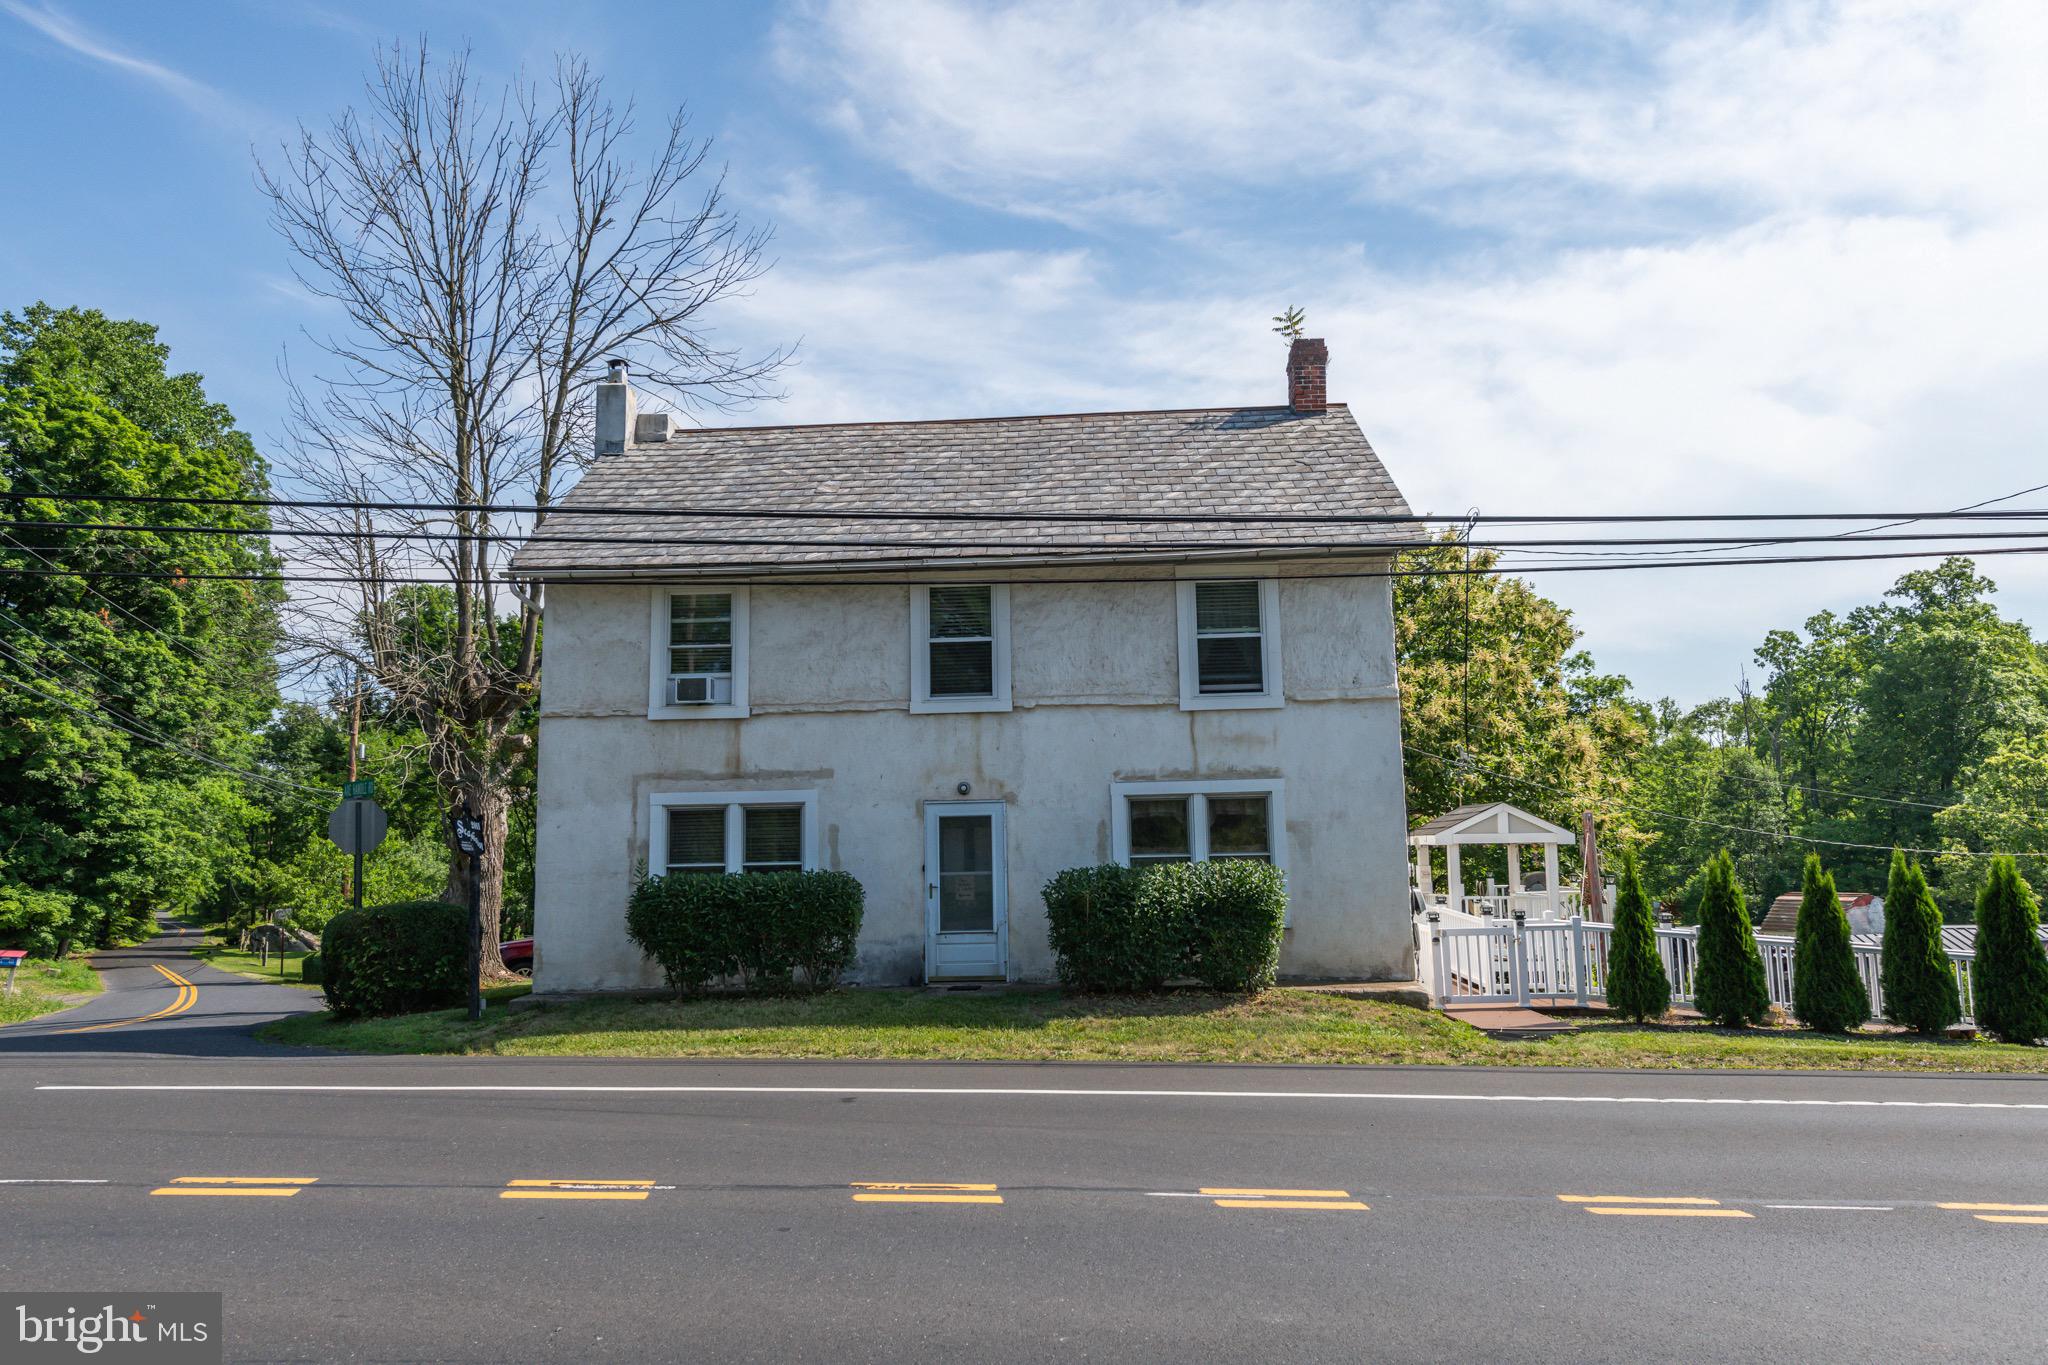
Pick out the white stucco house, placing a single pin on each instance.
(955, 657)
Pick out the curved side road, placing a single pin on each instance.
(161, 1000)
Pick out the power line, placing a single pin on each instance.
(772, 574)
(56, 569)
(1619, 804)
(1550, 544)
(1047, 515)
(113, 719)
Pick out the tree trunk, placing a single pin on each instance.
(491, 804)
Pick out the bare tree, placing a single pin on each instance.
(486, 251)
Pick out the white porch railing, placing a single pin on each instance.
(1486, 959)
(1534, 905)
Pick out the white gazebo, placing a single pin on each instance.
(1493, 822)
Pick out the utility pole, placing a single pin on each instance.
(354, 890)
(469, 838)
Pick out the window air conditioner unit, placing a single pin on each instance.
(700, 689)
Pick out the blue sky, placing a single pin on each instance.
(1569, 255)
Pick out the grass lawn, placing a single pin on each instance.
(217, 951)
(42, 986)
(1049, 1025)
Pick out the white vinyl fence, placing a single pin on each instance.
(1474, 960)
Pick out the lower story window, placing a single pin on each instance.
(1162, 822)
(738, 832)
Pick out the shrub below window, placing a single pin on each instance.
(1105, 936)
(395, 959)
(1116, 928)
(774, 931)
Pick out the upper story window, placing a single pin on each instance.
(718, 832)
(960, 647)
(698, 667)
(1184, 822)
(1229, 643)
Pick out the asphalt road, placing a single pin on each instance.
(727, 1211)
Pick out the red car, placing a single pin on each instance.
(518, 955)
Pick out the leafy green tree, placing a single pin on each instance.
(1637, 987)
(2001, 807)
(1524, 702)
(2010, 980)
(1918, 980)
(1728, 983)
(126, 701)
(1827, 992)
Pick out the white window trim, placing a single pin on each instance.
(1192, 698)
(1198, 792)
(658, 705)
(921, 700)
(661, 803)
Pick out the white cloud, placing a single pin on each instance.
(1090, 111)
(196, 95)
(1834, 228)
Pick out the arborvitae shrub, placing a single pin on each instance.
(1728, 983)
(2010, 979)
(1637, 987)
(1827, 993)
(1918, 980)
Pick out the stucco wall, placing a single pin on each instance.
(1096, 688)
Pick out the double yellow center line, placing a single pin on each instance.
(1653, 1206)
(1234, 1198)
(222, 1186)
(188, 996)
(634, 1190)
(2003, 1213)
(913, 1192)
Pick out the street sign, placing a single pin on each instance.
(366, 787)
(357, 825)
(469, 835)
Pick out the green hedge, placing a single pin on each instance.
(775, 931)
(1105, 936)
(396, 959)
(1116, 928)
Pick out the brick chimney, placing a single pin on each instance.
(1308, 375)
(617, 408)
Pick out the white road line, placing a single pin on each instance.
(52, 1182)
(1176, 1194)
(1837, 1208)
(1049, 1093)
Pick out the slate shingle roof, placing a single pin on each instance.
(1112, 464)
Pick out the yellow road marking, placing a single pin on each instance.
(1997, 1208)
(635, 1190)
(1289, 1204)
(274, 1186)
(188, 996)
(1297, 1194)
(2010, 1218)
(636, 1195)
(1634, 1199)
(1643, 1211)
(927, 1199)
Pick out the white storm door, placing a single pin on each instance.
(966, 891)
